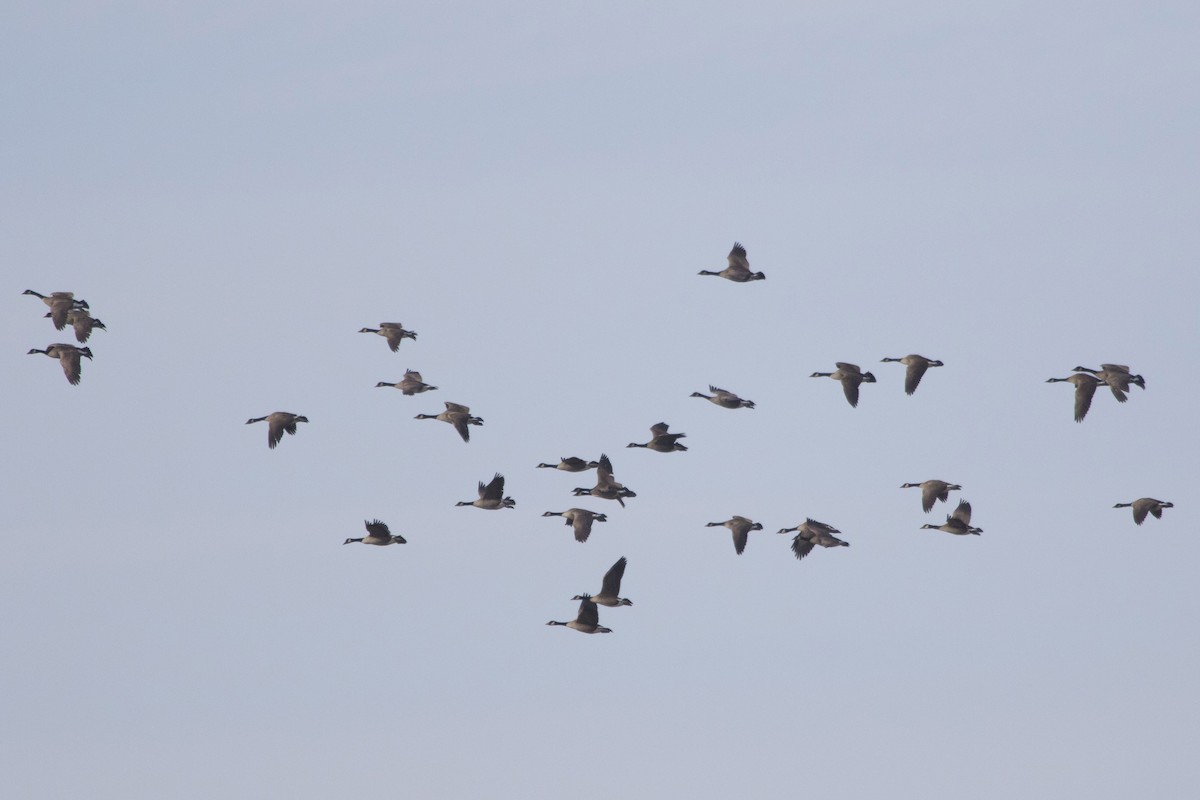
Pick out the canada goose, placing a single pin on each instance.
(82, 322)
(740, 527)
(392, 331)
(588, 620)
(68, 356)
(660, 440)
(958, 523)
(931, 491)
(378, 533)
(610, 588)
(457, 415)
(411, 383)
(606, 487)
(738, 270)
(1085, 389)
(491, 496)
(811, 533)
(724, 399)
(916, 368)
(1118, 378)
(277, 423)
(1145, 505)
(571, 464)
(60, 304)
(850, 376)
(580, 520)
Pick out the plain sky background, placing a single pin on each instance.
(237, 188)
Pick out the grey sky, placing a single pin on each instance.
(237, 189)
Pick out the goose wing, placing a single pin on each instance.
(69, 356)
(611, 585)
(913, 375)
(393, 334)
(378, 529)
(850, 384)
(737, 258)
(588, 615)
(932, 491)
(802, 545)
(604, 473)
(1084, 392)
(494, 489)
(962, 513)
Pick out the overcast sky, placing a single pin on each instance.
(237, 188)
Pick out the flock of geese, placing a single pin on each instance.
(65, 309)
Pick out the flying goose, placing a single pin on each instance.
(931, 491)
(606, 486)
(958, 523)
(850, 377)
(916, 368)
(411, 383)
(378, 533)
(811, 533)
(724, 399)
(82, 322)
(1145, 505)
(392, 331)
(580, 520)
(68, 356)
(1118, 378)
(660, 440)
(738, 270)
(571, 464)
(1085, 389)
(60, 304)
(588, 620)
(491, 496)
(610, 588)
(740, 527)
(457, 415)
(277, 423)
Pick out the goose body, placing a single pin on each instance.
(457, 415)
(68, 356)
(724, 399)
(660, 440)
(60, 304)
(1085, 388)
(958, 523)
(916, 369)
(491, 496)
(1145, 505)
(610, 589)
(278, 423)
(588, 619)
(851, 377)
(811, 533)
(607, 487)
(393, 332)
(82, 323)
(580, 520)
(738, 270)
(740, 527)
(571, 464)
(1118, 378)
(378, 534)
(410, 384)
(932, 491)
